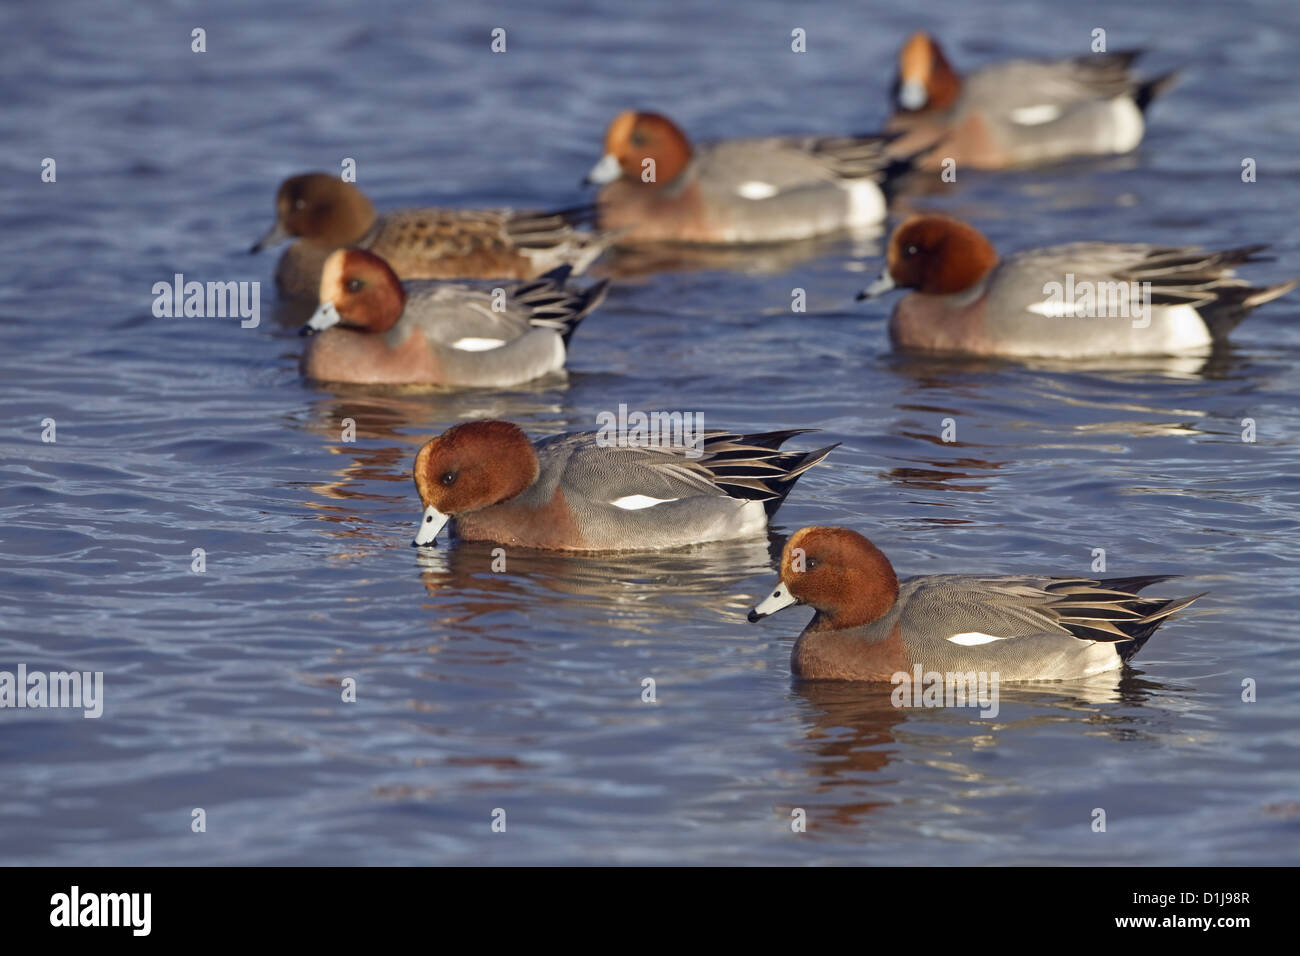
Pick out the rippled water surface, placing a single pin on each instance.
(522, 690)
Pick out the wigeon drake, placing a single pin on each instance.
(870, 626)
(578, 492)
(660, 188)
(1021, 112)
(325, 213)
(373, 329)
(1082, 300)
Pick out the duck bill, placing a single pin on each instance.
(882, 285)
(605, 171)
(780, 598)
(276, 234)
(432, 522)
(912, 95)
(323, 318)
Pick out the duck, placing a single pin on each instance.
(591, 491)
(373, 329)
(324, 213)
(1018, 113)
(869, 626)
(658, 187)
(1072, 301)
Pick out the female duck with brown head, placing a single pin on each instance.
(325, 213)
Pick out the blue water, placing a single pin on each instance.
(521, 690)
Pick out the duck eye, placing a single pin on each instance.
(354, 285)
(300, 204)
(911, 250)
(811, 563)
(449, 479)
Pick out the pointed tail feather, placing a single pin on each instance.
(1259, 296)
(1235, 303)
(794, 471)
(554, 305)
(1142, 632)
(1148, 90)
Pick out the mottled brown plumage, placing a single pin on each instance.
(324, 213)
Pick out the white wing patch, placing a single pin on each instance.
(470, 344)
(754, 189)
(637, 502)
(1055, 309)
(972, 638)
(1035, 115)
